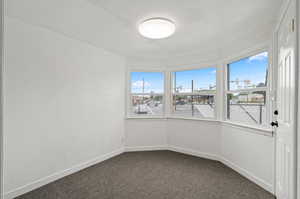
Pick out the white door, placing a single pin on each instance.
(286, 99)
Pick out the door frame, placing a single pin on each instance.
(296, 149)
(298, 104)
(1, 95)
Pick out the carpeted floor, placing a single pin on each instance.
(153, 175)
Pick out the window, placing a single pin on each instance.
(247, 90)
(146, 96)
(194, 93)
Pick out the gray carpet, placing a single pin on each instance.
(153, 175)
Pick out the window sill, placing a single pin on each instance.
(171, 117)
(145, 117)
(249, 128)
(254, 129)
(193, 118)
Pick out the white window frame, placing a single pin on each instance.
(129, 94)
(214, 93)
(267, 89)
(221, 90)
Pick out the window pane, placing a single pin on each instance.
(202, 106)
(250, 72)
(247, 107)
(194, 80)
(147, 104)
(147, 82)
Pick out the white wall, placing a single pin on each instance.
(250, 152)
(145, 134)
(63, 104)
(196, 137)
(200, 138)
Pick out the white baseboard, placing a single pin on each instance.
(46, 180)
(145, 148)
(29, 187)
(260, 182)
(194, 153)
(267, 186)
(172, 148)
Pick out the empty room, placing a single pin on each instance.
(157, 99)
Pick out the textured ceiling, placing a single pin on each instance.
(203, 26)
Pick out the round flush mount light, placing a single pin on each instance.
(157, 28)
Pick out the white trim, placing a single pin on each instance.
(250, 176)
(281, 14)
(248, 90)
(265, 46)
(243, 172)
(128, 96)
(220, 93)
(188, 67)
(283, 10)
(298, 107)
(194, 153)
(193, 119)
(145, 148)
(150, 69)
(246, 54)
(267, 186)
(153, 94)
(1, 96)
(48, 179)
(132, 117)
(210, 93)
(249, 128)
(253, 129)
(298, 100)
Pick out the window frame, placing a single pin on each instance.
(221, 89)
(203, 93)
(267, 88)
(129, 95)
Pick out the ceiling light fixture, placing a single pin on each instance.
(157, 28)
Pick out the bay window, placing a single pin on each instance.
(192, 93)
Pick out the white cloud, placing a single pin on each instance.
(139, 84)
(213, 72)
(260, 56)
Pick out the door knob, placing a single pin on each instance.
(274, 123)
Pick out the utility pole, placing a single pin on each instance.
(143, 85)
(143, 89)
(260, 114)
(175, 90)
(192, 98)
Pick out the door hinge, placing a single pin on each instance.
(293, 25)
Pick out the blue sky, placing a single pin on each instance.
(153, 81)
(252, 68)
(203, 79)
